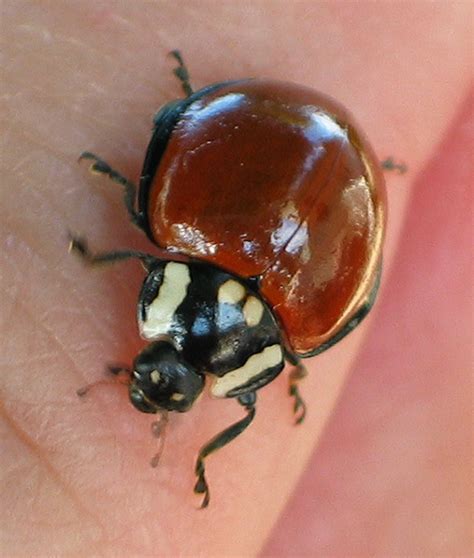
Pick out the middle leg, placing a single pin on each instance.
(99, 166)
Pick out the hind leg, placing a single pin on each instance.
(296, 375)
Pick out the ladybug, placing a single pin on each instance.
(267, 209)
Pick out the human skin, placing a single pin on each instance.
(76, 478)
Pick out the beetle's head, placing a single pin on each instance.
(162, 379)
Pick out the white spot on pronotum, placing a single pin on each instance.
(155, 376)
(172, 292)
(177, 396)
(231, 292)
(255, 365)
(253, 311)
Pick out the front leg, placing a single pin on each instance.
(248, 401)
(122, 374)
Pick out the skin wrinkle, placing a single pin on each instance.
(41, 456)
(106, 412)
(54, 339)
(112, 125)
(24, 135)
(16, 169)
(131, 332)
(36, 449)
(64, 351)
(95, 320)
(54, 38)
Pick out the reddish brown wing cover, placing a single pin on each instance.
(272, 179)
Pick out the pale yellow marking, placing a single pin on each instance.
(231, 292)
(155, 376)
(172, 292)
(177, 396)
(255, 365)
(253, 311)
(92, 170)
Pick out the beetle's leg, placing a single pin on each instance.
(298, 373)
(118, 369)
(99, 166)
(79, 246)
(299, 407)
(181, 72)
(201, 487)
(122, 372)
(390, 164)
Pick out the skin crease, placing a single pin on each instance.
(76, 478)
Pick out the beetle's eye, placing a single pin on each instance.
(140, 401)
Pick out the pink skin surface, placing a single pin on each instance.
(391, 472)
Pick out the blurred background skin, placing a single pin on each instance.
(391, 472)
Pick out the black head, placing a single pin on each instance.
(162, 379)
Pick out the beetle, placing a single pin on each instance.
(266, 206)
